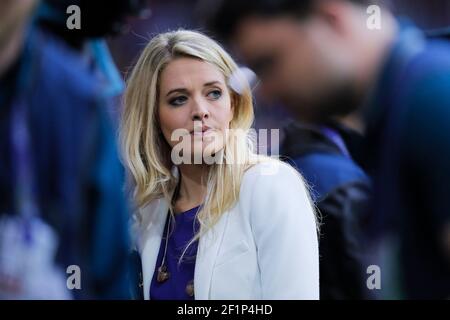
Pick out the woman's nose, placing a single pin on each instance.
(200, 111)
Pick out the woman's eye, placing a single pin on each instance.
(178, 101)
(215, 94)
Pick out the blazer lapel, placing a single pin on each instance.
(207, 252)
(152, 233)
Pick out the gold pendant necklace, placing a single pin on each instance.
(163, 273)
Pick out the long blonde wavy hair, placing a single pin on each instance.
(145, 152)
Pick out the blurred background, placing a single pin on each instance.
(167, 15)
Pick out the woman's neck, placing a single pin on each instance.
(192, 190)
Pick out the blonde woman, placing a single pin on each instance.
(240, 227)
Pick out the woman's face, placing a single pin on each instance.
(194, 106)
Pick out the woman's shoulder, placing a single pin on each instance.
(272, 189)
(271, 178)
(148, 213)
(270, 170)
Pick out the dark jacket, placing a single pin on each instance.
(342, 193)
(407, 152)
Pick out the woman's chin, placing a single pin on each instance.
(205, 155)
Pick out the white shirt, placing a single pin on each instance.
(265, 247)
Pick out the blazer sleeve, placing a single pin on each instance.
(284, 226)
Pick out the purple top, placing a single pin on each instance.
(180, 233)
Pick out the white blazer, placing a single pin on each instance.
(265, 247)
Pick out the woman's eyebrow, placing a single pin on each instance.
(210, 83)
(184, 90)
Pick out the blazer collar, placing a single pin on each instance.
(154, 218)
(208, 249)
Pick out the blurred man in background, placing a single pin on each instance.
(342, 192)
(323, 152)
(63, 216)
(341, 59)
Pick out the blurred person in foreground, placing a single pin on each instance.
(89, 41)
(329, 60)
(63, 217)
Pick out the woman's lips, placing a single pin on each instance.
(202, 131)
